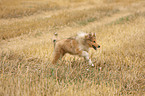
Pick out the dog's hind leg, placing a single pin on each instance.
(57, 55)
(85, 54)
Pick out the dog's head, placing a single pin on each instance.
(91, 40)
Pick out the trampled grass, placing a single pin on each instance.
(25, 60)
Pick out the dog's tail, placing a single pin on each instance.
(55, 38)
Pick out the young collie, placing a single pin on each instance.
(78, 45)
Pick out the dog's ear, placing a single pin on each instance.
(89, 36)
(94, 34)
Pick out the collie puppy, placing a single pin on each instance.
(78, 45)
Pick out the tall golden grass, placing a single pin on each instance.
(25, 59)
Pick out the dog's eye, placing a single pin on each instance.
(94, 41)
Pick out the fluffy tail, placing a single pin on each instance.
(55, 38)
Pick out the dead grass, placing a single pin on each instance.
(21, 8)
(15, 9)
(26, 69)
(62, 19)
(118, 71)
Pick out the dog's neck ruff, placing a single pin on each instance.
(81, 37)
(81, 41)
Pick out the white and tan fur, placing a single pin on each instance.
(78, 45)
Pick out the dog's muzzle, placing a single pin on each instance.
(95, 47)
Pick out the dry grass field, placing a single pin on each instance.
(26, 48)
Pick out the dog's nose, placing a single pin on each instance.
(98, 46)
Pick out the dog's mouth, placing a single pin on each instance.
(94, 47)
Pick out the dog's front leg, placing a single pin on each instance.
(85, 54)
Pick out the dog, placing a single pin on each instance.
(78, 45)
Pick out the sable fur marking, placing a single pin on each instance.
(78, 45)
